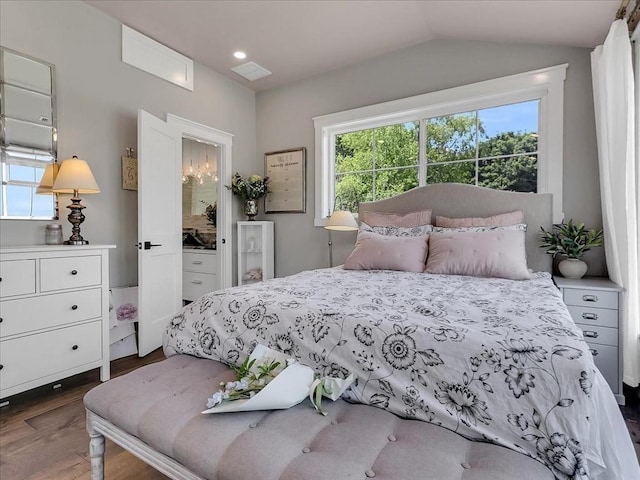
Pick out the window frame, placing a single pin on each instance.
(545, 85)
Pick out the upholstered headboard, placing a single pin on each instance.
(458, 200)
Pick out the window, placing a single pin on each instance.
(21, 172)
(504, 133)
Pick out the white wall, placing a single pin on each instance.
(284, 120)
(98, 97)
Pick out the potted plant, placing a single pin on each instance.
(571, 241)
(249, 189)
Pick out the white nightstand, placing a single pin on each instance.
(594, 304)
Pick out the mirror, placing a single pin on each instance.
(199, 193)
(28, 137)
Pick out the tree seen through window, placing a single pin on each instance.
(495, 148)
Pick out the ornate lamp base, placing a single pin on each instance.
(76, 217)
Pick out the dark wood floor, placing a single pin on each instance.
(43, 435)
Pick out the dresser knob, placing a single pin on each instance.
(74, 272)
(1, 367)
(75, 347)
(1, 320)
(74, 307)
(590, 334)
(590, 316)
(589, 298)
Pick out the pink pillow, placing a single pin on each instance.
(492, 253)
(413, 219)
(381, 252)
(501, 220)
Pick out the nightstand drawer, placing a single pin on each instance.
(591, 298)
(600, 335)
(26, 359)
(606, 359)
(18, 277)
(199, 262)
(69, 272)
(594, 316)
(45, 311)
(194, 285)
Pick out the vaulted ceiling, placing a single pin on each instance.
(295, 39)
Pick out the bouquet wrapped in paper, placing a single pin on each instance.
(269, 380)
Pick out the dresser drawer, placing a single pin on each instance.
(45, 311)
(69, 272)
(194, 285)
(606, 359)
(199, 262)
(594, 316)
(29, 358)
(600, 335)
(18, 277)
(591, 298)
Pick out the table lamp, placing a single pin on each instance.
(340, 221)
(46, 184)
(75, 177)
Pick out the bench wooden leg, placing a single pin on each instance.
(96, 451)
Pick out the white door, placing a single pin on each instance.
(159, 228)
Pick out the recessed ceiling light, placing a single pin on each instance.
(240, 55)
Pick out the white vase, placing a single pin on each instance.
(572, 268)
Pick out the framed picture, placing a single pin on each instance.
(287, 181)
(129, 173)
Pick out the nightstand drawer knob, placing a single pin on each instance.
(594, 352)
(590, 316)
(74, 307)
(590, 334)
(589, 298)
(197, 282)
(74, 272)
(75, 347)
(198, 262)
(1, 367)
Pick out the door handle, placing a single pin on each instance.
(148, 245)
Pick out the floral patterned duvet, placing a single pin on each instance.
(492, 359)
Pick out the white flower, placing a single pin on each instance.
(215, 399)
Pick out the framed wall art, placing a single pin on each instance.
(287, 181)
(129, 173)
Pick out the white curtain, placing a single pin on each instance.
(617, 132)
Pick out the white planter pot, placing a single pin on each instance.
(572, 268)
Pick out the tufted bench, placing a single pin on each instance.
(154, 412)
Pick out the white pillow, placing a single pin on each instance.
(417, 231)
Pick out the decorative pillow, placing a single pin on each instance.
(418, 231)
(520, 227)
(379, 252)
(413, 219)
(503, 219)
(491, 253)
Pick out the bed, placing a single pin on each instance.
(457, 376)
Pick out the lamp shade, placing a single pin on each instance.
(341, 220)
(48, 177)
(75, 175)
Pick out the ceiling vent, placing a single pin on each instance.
(251, 71)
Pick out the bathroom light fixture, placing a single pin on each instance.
(240, 55)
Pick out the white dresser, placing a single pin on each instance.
(199, 268)
(594, 304)
(54, 314)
